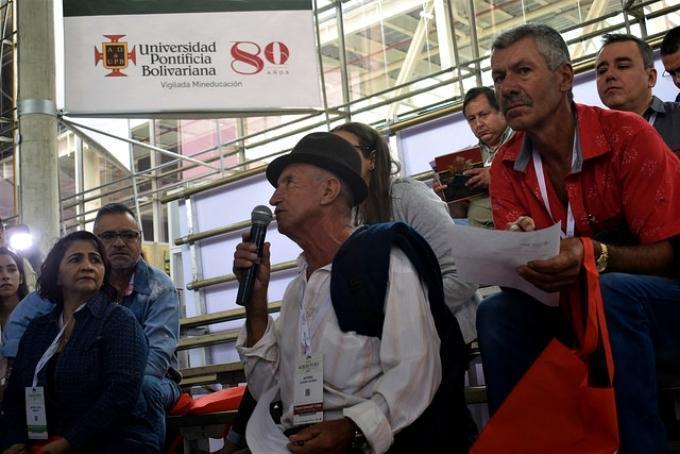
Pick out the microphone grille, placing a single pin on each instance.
(261, 215)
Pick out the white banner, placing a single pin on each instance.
(242, 61)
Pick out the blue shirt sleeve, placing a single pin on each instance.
(31, 307)
(162, 330)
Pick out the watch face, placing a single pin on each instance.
(602, 259)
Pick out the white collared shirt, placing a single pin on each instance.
(382, 385)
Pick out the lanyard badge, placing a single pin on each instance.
(36, 415)
(308, 384)
(308, 390)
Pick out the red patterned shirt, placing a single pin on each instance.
(624, 177)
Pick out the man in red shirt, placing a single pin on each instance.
(600, 174)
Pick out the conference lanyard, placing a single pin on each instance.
(52, 349)
(308, 331)
(538, 166)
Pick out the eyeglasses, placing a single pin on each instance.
(671, 73)
(366, 150)
(125, 235)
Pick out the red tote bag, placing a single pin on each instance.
(553, 409)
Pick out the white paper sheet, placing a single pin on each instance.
(492, 256)
(262, 434)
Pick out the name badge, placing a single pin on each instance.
(308, 391)
(36, 416)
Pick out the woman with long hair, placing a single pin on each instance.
(13, 288)
(404, 199)
(87, 357)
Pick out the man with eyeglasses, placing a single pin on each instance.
(147, 292)
(625, 76)
(670, 56)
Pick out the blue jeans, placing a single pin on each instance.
(643, 313)
(156, 397)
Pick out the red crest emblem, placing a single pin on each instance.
(114, 55)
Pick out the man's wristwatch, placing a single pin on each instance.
(358, 440)
(602, 259)
(5, 380)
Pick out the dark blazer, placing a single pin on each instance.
(97, 376)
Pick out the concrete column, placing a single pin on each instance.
(38, 170)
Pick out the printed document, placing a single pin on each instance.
(493, 256)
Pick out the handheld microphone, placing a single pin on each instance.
(260, 219)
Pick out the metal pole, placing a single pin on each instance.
(79, 162)
(344, 75)
(155, 204)
(75, 126)
(133, 171)
(474, 43)
(241, 132)
(220, 149)
(456, 55)
(320, 58)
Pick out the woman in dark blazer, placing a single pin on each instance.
(88, 355)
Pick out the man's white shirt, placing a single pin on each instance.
(383, 385)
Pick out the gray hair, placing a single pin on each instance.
(345, 195)
(550, 43)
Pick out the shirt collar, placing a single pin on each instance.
(130, 287)
(504, 138)
(589, 141)
(525, 155)
(141, 277)
(303, 265)
(506, 135)
(95, 305)
(301, 262)
(657, 106)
